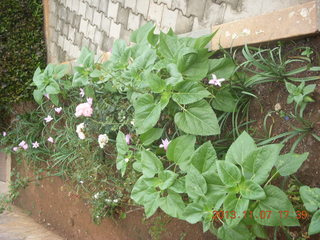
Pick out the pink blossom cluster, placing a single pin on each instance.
(84, 109)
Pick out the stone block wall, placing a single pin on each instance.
(72, 24)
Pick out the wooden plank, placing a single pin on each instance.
(299, 20)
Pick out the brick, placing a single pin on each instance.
(184, 24)
(133, 21)
(75, 5)
(76, 21)
(213, 14)
(52, 6)
(97, 18)
(115, 30)
(74, 51)
(113, 10)
(292, 22)
(62, 13)
(69, 4)
(166, 2)
(255, 8)
(70, 16)
(130, 4)
(60, 40)
(121, 2)
(85, 42)
(96, 3)
(92, 47)
(125, 34)
(83, 26)
(169, 19)
(107, 43)
(143, 21)
(82, 9)
(181, 5)
(71, 33)
(105, 24)
(53, 34)
(53, 52)
(90, 31)
(65, 29)
(103, 6)
(98, 37)
(89, 13)
(78, 38)
(155, 12)
(143, 7)
(53, 19)
(122, 16)
(196, 8)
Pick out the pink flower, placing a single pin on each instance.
(48, 119)
(84, 109)
(81, 92)
(164, 144)
(58, 109)
(15, 149)
(47, 96)
(35, 144)
(215, 81)
(89, 100)
(50, 139)
(4, 134)
(128, 139)
(24, 145)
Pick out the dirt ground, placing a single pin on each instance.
(52, 202)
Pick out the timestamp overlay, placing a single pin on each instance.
(220, 215)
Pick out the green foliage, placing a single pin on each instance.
(22, 47)
(311, 200)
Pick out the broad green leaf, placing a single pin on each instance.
(147, 113)
(314, 226)
(152, 38)
(289, 163)
(239, 232)
(168, 46)
(181, 148)
(60, 70)
(122, 149)
(179, 185)
(204, 158)
(156, 84)
(151, 165)
(175, 75)
(216, 195)
(202, 42)
(229, 173)
(267, 212)
(196, 185)
(151, 135)
(258, 164)
(189, 92)
(237, 153)
(141, 189)
(164, 100)
(259, 231)
(197, 71)
(37, 96)
(224, 101)
(193, 213)
(53, 88)
(251, 190)
(85, 52)
(222, 68)
(310, 198)
(167, 178)
(172, 205)
(145, 60)
(198, 119)
(54, 99)
(141, 34)
(186, 57)
(151, 203)
(235, 207)
(118, 48)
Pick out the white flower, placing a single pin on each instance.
(103, 140)
(126, 160)
(58, 109)
(132, 122)
(108, 200)
(48, 119)
(81, 182)
(115, 200)
(81, 92)
(96, 196)
(215, 81)
(80, 132)
(277, 107)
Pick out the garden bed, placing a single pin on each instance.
(58, 203)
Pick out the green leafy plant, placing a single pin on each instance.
(192, 184)
(311, 200)
(300, 95)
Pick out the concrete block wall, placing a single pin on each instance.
(72, 24)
